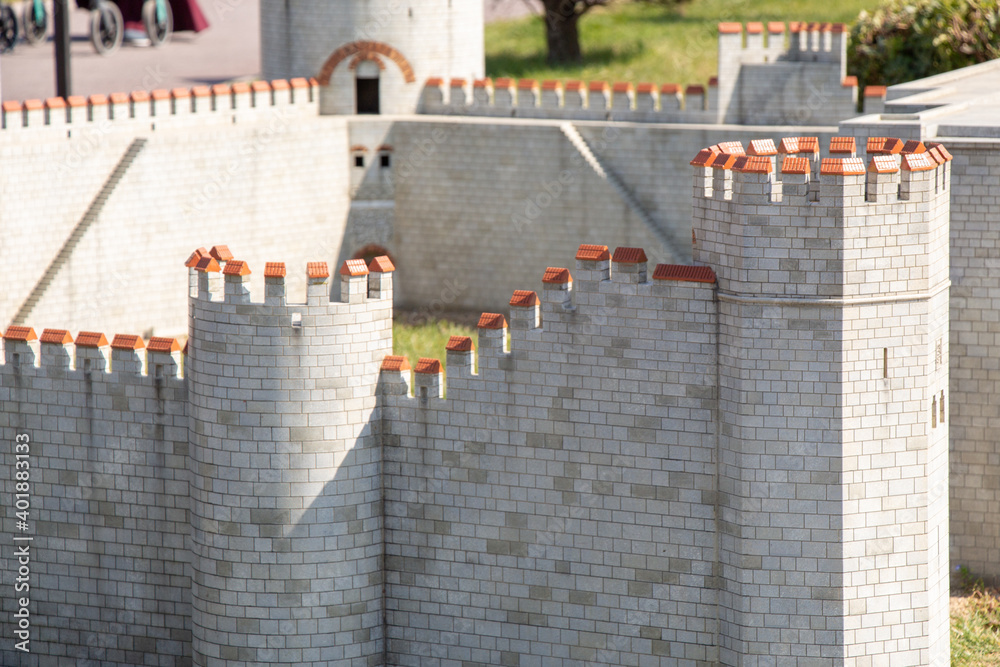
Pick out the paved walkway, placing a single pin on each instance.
(229, 49)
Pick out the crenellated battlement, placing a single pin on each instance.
(223, 102)
(803, 42)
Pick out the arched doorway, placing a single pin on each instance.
(367, 88)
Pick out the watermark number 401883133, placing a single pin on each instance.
(22, 540)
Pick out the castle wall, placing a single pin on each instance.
(110, 567)
(558, 506)
(249, 170)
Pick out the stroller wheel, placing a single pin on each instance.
(107, 28)
(158, 18)
(36, 22)
(8, 29)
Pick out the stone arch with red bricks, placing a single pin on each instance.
(362, 49)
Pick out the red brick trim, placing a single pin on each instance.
(365, 48)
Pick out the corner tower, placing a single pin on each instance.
(371, 56)
(833, 458)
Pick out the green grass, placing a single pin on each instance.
(975, 628)
(638, 42)
(426, 338)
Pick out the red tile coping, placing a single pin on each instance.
(353, 268)
(163, 345)
(849, 81)
(299, 82)
(240, 87)
(796, 26)
(434, 82)
(33, 105)
(622, 87)
(874, 91)
(127, 342)
(221, 89)
(884, 145)
(913, 146)
(625, 255)
(56, 337)
(184, 350)
(849, 166)
(724, 161)
(557, 276)
(97, 100)
(645, 88)
(691, 274)
(459, 344)
(381, 264)
(939, 153)
(842, 145)
(92, 339)
(139, 96)
(713, 82)
(551, 84)
(313, 82)
(762, 147)
(317, 270)
(754, 164)
(358, 148)
(160, 94)
(207, 264)
(482, 83)
(55, 103)
(597, 86)
(918, 162)
(593, 253)
(503, 82)
(705, 157)
(280, 84)
(201, 91)
(755, 28)
(23, 334)
(426, 366)
(527, 84)
(695, 89)
(236, 267)
(795, 165)
(775, 27)
(221, 253)
(195, 257)
(118, 98)
(260, 87)
(274, 270)
(574, 85)
(524, 299)
(730, 28)
(883, 164)
(457, 83)
(838, 28)
(739, 162)
(799, 145)
(731, 148)
(491, 321)
(395, 363)
(670, 89)
(11, 106)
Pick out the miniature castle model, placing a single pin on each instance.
(725, 442)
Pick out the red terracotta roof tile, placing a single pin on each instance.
(753, 164)
(731, 147)
(23, 334)
(55, 103)
(139, 96)
(457, 83)
(884, 145)
(695, 89)
(160, 94)
(317, 270)
(201, 91)
(180, 93)
(796, 26)
(56, 337)
(524, 299)
(739, 162)
(482, 83)
(789, 145)
(694, 274)
(127, 342)
(622, 87)
(705, 157)
(645, 88)
(849, 166)
(849, 81)
(274, 270)
(207, 264)
(670, 89)
(299, 82)
(260, 87)
(236, 267)
(92, 339)
(795, 165)
(918, 162)
(883, 164)
(221, 253)
(527, 84)
(574, 85)
(724, 161)
(874, 91)
(358, 148)
(557, 276)
(913, 146)
(491, 321)
(775, 27)
(184, 350)
(395, 363)
(625, 255)
(713, 82)
(838, 28)
(503, 82)
(354, 268)
(97, 100)
(762, 147)
(730, 28)
(33, 105)
(459, 344)
(842, 145)
(192, 261)
(597, 86)
(279, 84)
(221, 89)
(11, 106)
(426, 366)
(593, 253)
(799, 145)
(118, 98)
(381, 264)
(755, 28)
(940, 154)
(163, 345)
(240, 87)
(434, 82)
(551, 84)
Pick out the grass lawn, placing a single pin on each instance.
(631, 41)
(975, 628)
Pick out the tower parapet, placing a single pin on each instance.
(286, 466)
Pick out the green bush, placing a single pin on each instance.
(906, 40)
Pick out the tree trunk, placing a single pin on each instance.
(561, 32)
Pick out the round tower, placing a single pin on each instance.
(371, 56)
(286, 467)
